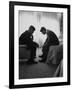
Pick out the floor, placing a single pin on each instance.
(39, 70)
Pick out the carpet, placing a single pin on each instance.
(39, 70)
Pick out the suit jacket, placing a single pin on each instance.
(25, 37)
(51, 39)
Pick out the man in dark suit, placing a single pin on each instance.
(27, 39)
(51, 40)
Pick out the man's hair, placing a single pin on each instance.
(32, 27)
(43, 29)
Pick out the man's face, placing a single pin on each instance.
(43, 32)
(31, 30)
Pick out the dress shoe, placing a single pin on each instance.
(43, 60)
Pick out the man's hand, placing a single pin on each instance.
(36, 44)
(31, 37)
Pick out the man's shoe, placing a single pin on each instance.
(43, 60)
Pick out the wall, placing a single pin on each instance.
(4, 44)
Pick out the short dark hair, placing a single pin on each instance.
(42, 28)
(32, 27)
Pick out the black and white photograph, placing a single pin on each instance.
(40, 46)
